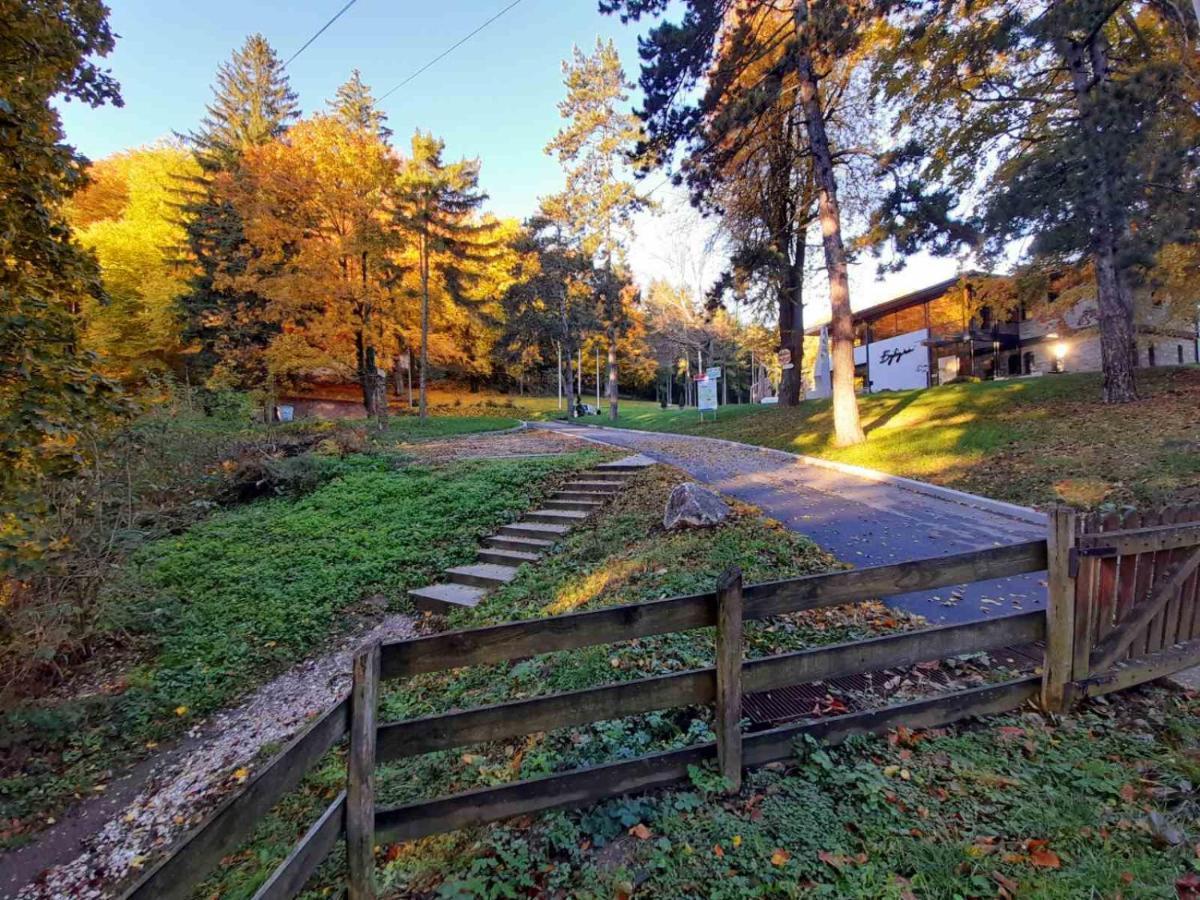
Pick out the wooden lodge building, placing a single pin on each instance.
(930, 336)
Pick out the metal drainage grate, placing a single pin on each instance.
(868, 690)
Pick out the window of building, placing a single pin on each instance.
(1014, 364)
(1179, 352)
(1150, 357)
(1028, 363)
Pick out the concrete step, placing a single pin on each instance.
(541, 530)
(585, 506)
(506, 557)
(634, 463)
(601, 487)
(586, 496)
(443, 598)
(516, 542)
(484, 575)
(556, 516)
(615, 477)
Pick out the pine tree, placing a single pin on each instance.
(252, 104)
(434, 206)
(1089, 109)
(355, 106)
(550, 303)
(599, 203)
(704, 80)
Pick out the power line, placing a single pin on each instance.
(447, 51)
(320, 31)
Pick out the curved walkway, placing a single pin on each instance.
(859, 520)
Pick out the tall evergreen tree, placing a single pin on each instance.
(551, 299)
(355, 106)
(434, 206)
(704, 79)
(1089, 110)
(599, 202)
(253, 103)
(50, 393)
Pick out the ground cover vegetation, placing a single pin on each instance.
(622, 556)
(225, 567)
(1019, 806)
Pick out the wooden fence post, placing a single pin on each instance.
(360, 775)
(729, 677)
(1060, 610)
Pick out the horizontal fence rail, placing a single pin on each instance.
(582, 786)
(235, 819)
(1123, 608)
(318, 842)
(516, 640)
(508, 720)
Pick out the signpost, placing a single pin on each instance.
(706, 391)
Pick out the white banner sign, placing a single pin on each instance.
(707, 394)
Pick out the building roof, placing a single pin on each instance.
(912, 298)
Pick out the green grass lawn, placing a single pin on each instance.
(233, 600)
(1030, 441)
(411, 428)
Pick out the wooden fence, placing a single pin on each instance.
(1099, 609)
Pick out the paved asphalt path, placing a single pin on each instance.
(857, 520)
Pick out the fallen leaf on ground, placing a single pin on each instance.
(1045, 859)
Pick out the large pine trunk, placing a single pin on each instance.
(846, 425)
(1118, 339)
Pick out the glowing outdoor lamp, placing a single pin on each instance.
(1060, 355)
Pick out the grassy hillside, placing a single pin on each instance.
(1028, 441)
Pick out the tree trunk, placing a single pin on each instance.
(847, 428)
(612, 372)
(565, 345)
(424, 372)
(368, 381)
(572, 397)
(360, 359)
(791, 327)
(1118, 338)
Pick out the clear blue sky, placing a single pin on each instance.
(495, 97)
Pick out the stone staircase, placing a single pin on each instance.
(524, 542)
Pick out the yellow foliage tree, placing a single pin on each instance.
(127, 216)
(315, 206)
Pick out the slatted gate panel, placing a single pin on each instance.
(1121, 572)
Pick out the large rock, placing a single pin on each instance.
(690, 504)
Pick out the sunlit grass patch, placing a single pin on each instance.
(1012, 440)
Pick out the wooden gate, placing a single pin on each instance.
(1124, 599)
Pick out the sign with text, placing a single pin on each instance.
(707, 394)
(899, 363)
(713, 373)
